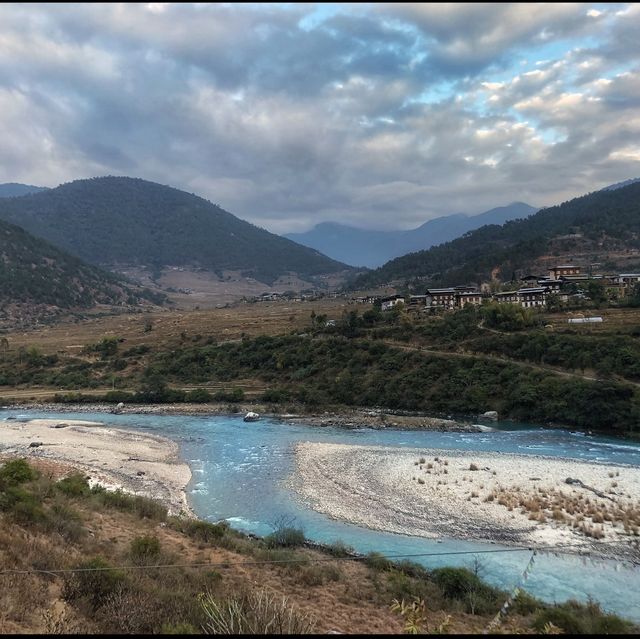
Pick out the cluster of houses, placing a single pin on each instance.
(533, 292)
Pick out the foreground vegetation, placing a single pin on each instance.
(51, 520)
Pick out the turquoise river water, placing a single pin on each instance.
(239, 471)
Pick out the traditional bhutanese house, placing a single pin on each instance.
(551, 286)
(469, 297)
(511, 297)
(532, 297)
(557, 272)
(628, 280)
(387, 303)
(441, 297)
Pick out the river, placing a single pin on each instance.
(239, 472)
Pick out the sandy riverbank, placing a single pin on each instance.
(138, 463)
(511, 499)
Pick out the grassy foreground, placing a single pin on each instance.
(220, 581)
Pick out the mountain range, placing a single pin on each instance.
(115, 221)
(362, 247)
(13, 189)
(598, 226)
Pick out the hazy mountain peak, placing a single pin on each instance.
(372, 248)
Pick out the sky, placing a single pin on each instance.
(287, 115)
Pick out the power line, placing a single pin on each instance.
(227, 564)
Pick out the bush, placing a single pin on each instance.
(339, 549)
(199, 396)
(95, 582)
(286, 537)
(455, 583)
(144, 550)
(21, 505)
(16, 471)
(205, 531)
(144, 507)
(75, 485)
(377, 561)
(66, 522)
(561, 617)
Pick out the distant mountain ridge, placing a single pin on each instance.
(13, 189)
(606, 221)
(361, 247)
(120, 220)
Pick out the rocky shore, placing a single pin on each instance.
(501, 498)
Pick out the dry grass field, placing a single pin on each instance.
(224, 324)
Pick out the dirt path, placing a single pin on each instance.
(502, 360)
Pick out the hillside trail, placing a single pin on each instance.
(502, 360)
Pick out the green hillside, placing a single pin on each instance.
(38, 278)
(605, 219)
(119, 220)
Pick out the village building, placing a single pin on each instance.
(532, 297)
(511, 297)
(627, 280)
(387, 303)
(469, 297)
(551, 286)
(441, 297)
(556, 272)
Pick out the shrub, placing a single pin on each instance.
(75, 485)
(144, 550)
(22, 506)
(339, 549)
(377, 561)
(563, 618)
(199, 396)
(65, 521)
(16, 471)
(286, 537)
(95, 582)
(205, 531)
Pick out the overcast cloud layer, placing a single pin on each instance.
(379, 116)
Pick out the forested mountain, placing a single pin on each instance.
(607, 219)
(120, 220)
(361, 247)
(12, 189)
(37, 278)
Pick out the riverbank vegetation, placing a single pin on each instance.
(116, 547)
(496, 357)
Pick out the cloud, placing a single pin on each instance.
(380, 116)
